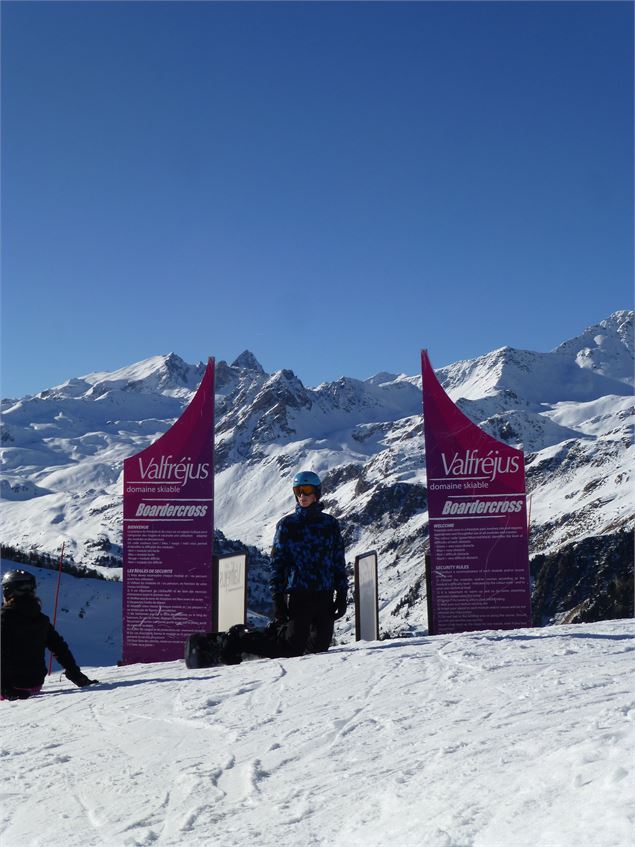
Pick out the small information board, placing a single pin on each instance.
(366, 598)
(230, 594)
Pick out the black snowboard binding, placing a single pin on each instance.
(207, 649)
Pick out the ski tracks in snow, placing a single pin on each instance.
(482, 740)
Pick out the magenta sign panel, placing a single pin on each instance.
(168, 510)
(479, 577)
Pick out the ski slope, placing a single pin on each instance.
(517, 739)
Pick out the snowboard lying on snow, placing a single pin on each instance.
(206, 649)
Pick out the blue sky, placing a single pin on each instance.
(330, 185)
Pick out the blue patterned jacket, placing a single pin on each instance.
(308, 553)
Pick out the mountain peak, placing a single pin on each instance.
(248, 361)
(172, 360)
(605, 347)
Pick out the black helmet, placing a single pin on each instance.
(16, 583)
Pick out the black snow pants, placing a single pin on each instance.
(310, 625)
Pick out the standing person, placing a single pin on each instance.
(308, 569)
(308, 586)
(26, 633)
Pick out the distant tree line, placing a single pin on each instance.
(45, 560)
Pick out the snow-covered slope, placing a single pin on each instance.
(606, 348)
(572, 413)
(517, 739)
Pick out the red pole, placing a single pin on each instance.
(57, 594)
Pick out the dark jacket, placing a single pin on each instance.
(26, 633)
(308, 553)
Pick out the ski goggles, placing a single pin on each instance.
(303, 489)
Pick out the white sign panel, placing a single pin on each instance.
(231, 591)
(366, 614)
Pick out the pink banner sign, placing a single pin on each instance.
(479, 574)
(168, 510)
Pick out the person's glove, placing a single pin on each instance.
(341, 602)
(15, 693)
(280, 610)
(80, 679)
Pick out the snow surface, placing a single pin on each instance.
(492, 739)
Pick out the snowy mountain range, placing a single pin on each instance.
(571, 410)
